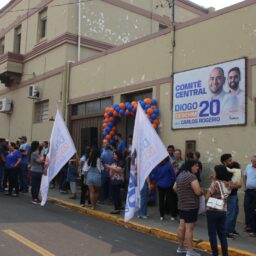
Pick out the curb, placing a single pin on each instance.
(205, 246)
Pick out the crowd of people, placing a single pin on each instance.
(104, 175)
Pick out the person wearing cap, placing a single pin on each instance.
(23, 168)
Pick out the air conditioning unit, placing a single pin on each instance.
(34, 92)
(5, 106)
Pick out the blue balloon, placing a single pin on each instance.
(156, 111)
(110, 114)
(117, 109)
(110, 124)
(147, 106)
(153, 116)
(130, 108)
(122, 112)
(104, 134)
(143, 104)
(107, 130)
(127, 104)
(115, 105)
(154, 102)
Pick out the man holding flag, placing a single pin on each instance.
(61, 150)
(147, 152)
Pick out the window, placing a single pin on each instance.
(91, 107)
(190, 146)
(42, 24)
(2, 45)
(17, 39)
(141, 95)
(41, 111)
(161, 26)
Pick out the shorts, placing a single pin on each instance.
(189, 216)
(93, 177)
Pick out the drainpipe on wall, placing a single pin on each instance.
(79, 31)
(65, 90)
(173, 33)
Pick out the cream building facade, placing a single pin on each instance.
(119, 51)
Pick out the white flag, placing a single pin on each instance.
(147, 152)
(61, 150)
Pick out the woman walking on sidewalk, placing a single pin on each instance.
(36, 163)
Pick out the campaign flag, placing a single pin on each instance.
(61, 150)
(147, 152)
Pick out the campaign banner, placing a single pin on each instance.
(210, 96)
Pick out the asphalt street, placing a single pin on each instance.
(28, 230)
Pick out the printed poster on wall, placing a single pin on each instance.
(210, 96)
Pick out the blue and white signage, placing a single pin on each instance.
(210, 96)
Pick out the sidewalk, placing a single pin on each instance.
(242, 245)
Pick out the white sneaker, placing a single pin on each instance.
(193, 254)
(181, 250)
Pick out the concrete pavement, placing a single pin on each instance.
(243, 245)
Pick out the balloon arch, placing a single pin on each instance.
(113, 115)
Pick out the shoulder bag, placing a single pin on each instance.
(215, 203)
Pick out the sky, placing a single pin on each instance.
(217, 4)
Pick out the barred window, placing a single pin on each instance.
(41, 111)
(91, 107)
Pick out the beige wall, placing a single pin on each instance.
(181, 14)
(120, 68)
(20, 122)
(111, 24)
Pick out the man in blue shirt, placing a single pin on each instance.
(106, 157)
(250, 196)
(120, 145)
(23, 172)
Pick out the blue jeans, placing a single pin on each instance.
(23, 177)
(232, 205)
(35, 184)
(143, 200)
(216, 221)
(115, 189)
(249, 208)
(1, 178)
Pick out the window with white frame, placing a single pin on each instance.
(42, 24)
(41, 111)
